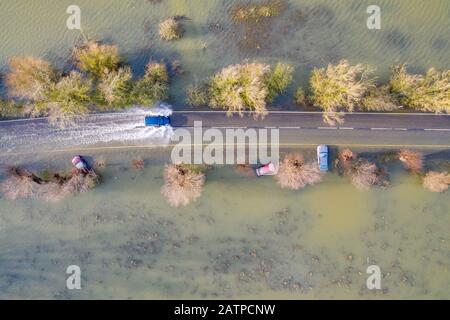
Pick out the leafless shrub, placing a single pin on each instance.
(100, 162)
(50, 192)
(295, 174)
(22, 184)
(364, 174)
(138, 164)
(436, 181)
(182, 185)
(19, 187)
(412, 160)
(79, 183)
(346, 158)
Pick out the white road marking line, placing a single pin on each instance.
(227, 127)
(270, 127)
(346, 128)
(400, 129)
(380, 128)
(327, 128)
(290, 127)
(437, 129)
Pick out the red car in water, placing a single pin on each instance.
(269, 169)
(81, 164)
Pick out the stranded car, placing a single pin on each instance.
(80, 164)
(157, 121)
(322, 157)
(267, 170)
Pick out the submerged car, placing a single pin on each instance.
(322, 157)
(157, 121)
(267, 170)
(80, 164)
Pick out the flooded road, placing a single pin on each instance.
(245, 237)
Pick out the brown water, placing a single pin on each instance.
(270, 243)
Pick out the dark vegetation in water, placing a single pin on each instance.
(48, 186)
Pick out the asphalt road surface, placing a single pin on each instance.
(296, 129)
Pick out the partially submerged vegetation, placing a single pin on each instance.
(171, 29)
(339, 87)
(436, 181)
(294, 173)
(243, 87)
(253, 12)
(101, 81)
(97, 60)
(51, 187)
(345, 87)
(30, 78)
(411, 160)
(429, 92)
(363, 174)
(182, 184)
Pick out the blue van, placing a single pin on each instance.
(157, 121)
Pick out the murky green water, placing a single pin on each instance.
(244, 238)
(307, 33)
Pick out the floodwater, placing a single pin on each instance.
(307, 33)
(270, 243)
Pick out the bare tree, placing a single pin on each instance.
(412, 160)
(295, 174)
(364, 174)
(436, 181)
(182, 185)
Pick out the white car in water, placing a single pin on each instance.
(322, 157)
